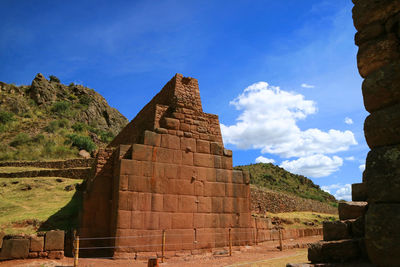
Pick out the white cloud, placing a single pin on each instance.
(262, 159)
(362, 167)
(269, 122)
(304, 85)
(313, 166)
(351, 158)
(348, 120)
(339, 191)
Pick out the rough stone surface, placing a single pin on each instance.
(334, 251)
(15, 249)
(84, 154)
(382, 127)
(359, 192)
(382, 234)
(56, 255)
(54, 240)
(336, 230)
(2, 234)
(352, 209)
(382, 174)
(380, 88)
(37, 243)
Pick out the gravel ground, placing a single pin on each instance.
(265, 254)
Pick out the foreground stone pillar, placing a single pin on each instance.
(378, 59)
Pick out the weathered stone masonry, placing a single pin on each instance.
(372, 232)
(167, 170)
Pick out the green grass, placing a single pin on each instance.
(20, 169)
(46, 202)
(267, 175)
(302, 219)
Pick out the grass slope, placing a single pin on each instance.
(269, 176)
(31, 204)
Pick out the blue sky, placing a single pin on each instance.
(127, 50)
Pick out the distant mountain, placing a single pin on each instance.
(267, 175)
(50, 120)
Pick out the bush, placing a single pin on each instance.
(106, 137)
(38, 139)
(52, 127)
(60, 107)
(81, 142)
(6, 117)
(78, 126)
(20, 139)
(54, 79)
(85, 100)
(64, 123)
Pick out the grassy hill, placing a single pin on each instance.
(267, 175)
(49, 120)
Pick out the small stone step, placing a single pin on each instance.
(352, 209)
(359, 192)
(335, 251)
(336, 230)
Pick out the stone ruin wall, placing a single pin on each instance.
(167, 170)
(370, 232)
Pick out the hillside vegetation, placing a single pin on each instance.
(49, 120)
(267, 175)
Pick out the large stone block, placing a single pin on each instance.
(142, 152)
(376, 53)
(336, 230)
(203, 160)
(334, 251)
(352, 209)
(15, 249)
(170, 141)
(380, 88)
(359, 192)
(382, 234)
(54, 240)
(368, 11)
(382, 174)
(152, 138)
(382, 127)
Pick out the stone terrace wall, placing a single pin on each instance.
(59, 164)
(378, 59)
(271, 201)
(168, 170)
(50, 245)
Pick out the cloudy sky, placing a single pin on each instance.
(281, 75)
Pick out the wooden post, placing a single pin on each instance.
(152, 262)
(76, 249)
(256, 232)
(163, 246)
(230, 242)
(280, 239)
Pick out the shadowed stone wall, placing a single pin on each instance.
(378, 59)
(167, 170)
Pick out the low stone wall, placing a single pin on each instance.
(59, 164)
(266, 232)
(271, 201)
(49, 245)
(76, 173)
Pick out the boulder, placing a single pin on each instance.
(15, 249)
(334, 251)
(380, 88)
(382, 234)
(84, 154)
(359, 192)
(54, 240)
(381, 128)
(336, 230)
(382, 174)
(352, 209)
(368, 11)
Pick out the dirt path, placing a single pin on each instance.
(265, 254)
